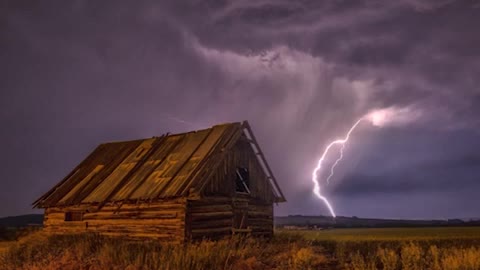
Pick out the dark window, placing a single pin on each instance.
(242, 180)
(74, 216)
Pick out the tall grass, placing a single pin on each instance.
(285, 251)
(400, 248)
(411, 255)
(91, 251)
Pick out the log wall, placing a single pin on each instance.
(221, 211)
(260, 219)
(160, 220)
(214, 217)
(209, 218)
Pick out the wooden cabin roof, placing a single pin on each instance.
(149, 169)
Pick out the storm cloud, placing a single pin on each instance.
(78, 73)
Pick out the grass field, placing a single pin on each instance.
(391, 234)
(399, 248)
(388, 249)
(4, 246)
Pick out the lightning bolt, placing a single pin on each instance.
(332, 169)
(316, 183)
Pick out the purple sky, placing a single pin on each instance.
(78, 73)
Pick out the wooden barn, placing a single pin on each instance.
(208, 183)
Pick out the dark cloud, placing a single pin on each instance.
(420, 180)
(78, 73)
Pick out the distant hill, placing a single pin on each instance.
(21, 221)
(355, 222)
(299, 221)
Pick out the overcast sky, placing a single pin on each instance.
(78, 73)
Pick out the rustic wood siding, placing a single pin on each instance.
(260, 218)
(241, 155)
(209, 218)
(160, 220)
(213, 217)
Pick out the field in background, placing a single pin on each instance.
(399, 248)
(389, 234)
(393, 248)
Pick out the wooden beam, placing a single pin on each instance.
(165, 137)
(38, 202)
(246, 125)
(185, 188)
(172, 179)
(110, 166)
(221, 155)
(137, 166)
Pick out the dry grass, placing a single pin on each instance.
(402, 248)
(91, 251)
(4, 246)
(399, 248)
(413, 256)
(286, 250)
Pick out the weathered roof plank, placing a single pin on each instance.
(101, 192)
(149, 169)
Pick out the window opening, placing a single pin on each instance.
(74, 216)
(242, 180)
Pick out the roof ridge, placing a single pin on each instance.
(169, 134)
